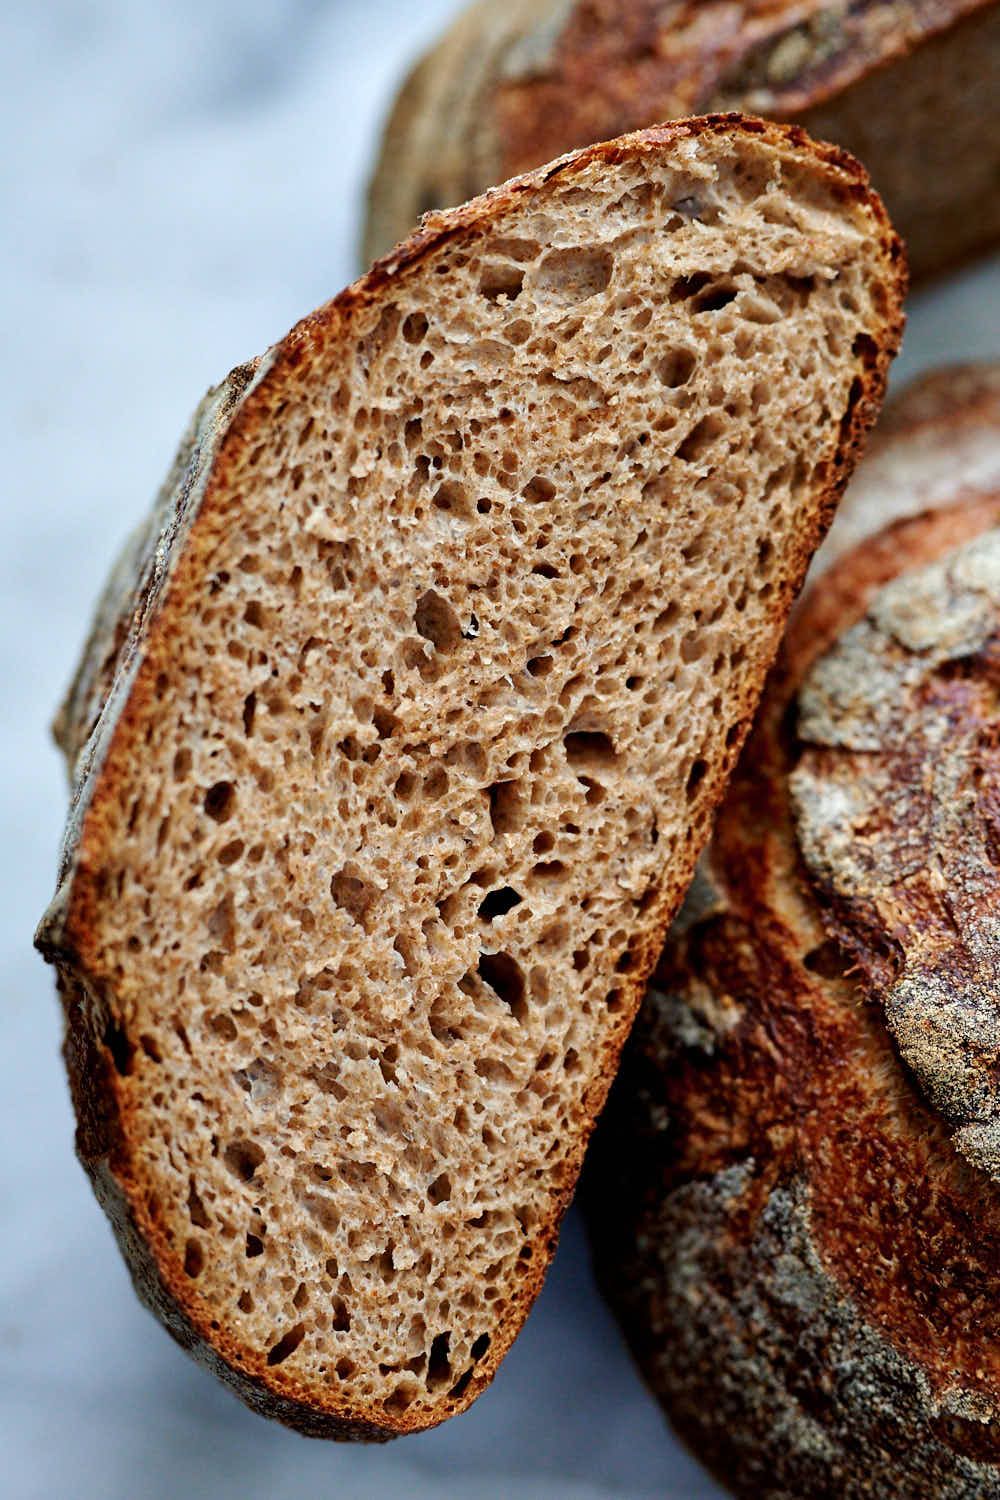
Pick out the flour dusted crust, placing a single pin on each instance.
(901, 839)
(793, 1194)
(908, 86)
(393, 766)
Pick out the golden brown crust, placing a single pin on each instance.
(805, 1266)
(512, 84)
(98, 1040)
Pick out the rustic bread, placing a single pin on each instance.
(912, 87)
(410, 732)
(937, 444)
(794, 1193)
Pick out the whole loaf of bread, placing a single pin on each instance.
(794, 1194)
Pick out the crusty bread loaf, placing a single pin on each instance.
(937, 444)
(395, 761)
(912, 87)
(794, 1192)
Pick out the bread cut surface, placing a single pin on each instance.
(908, 86)
(409, 734)
(794, 1196)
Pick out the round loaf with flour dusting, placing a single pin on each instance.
(795, 1193)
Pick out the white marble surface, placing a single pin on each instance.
(179, 182)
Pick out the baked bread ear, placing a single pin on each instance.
(412, 729)
(794, 1195)
(910, 88)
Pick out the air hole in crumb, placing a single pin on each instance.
(452, 497)
(538, 490)
(243, 1158)
(439, 1363)
(437, 622)
(589, 748)
(695, 777)
(499, 903)
(506, 806)
(516, 248)
(676, 368)
(402, 1397)
(197, 1212)
(440, 1189)
(249, 713)
(435, 783)
(194, 1258)
(220, 800)
(573, 275)
(221, 924)
(699, 439)
(414, 328)
(715, 298)
(151, 1048)
(539, 666)
(461, 1385)
(505, 977)
(352, 894)
(287, 1344)
(480, 1346)
(697, 547)
(255, 1246)
(692, 646)
(341, 1321)
(497, 280)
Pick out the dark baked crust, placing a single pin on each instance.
(97, 1038)
(804, 1265)
(515, 82)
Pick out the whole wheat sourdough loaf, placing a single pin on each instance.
(394, 764)
(911, 87)
(795, 1192)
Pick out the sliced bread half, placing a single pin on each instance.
(395, 761)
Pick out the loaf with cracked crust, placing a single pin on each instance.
(794, 1194)
(394, 764)
(909, 86)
